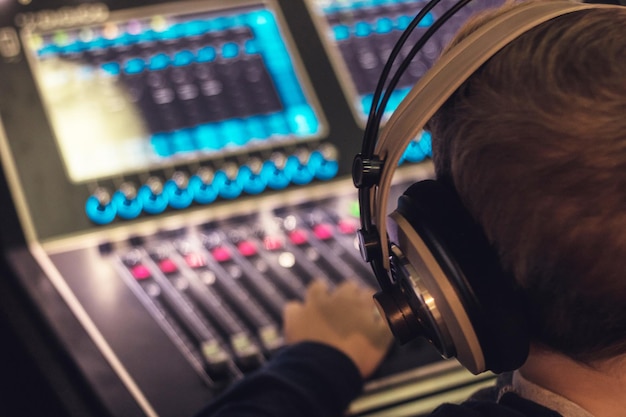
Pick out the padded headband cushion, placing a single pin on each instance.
(459, 245)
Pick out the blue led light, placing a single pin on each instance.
(122, 40)
(151, 203)
(134, 66)
(206, 54)
(222, 23)
(99, 43)
(362, 29)
(256, 127)
(178, 198)
(50, 49)
(182, 58)
(226, 187)
(126, 208)
(170, 33)
(146, 36)
(98, 213)
(366, 103)
(74, 47)
(302, 120)
(182, 141)
(207, 136)
(418, 149)
(384, 25)
(277, 124)
(289, 88)
(251, 47)
(341, 32)
(234, 132)
(425, 143)
(230, 50)
(195, 28)
(277, 179)
(159, 61)
(300, 174)
(112, 68)
(202, 193)
(403, 22)
(161, 144)
(396, 98)
(413, 152)
(427, 21)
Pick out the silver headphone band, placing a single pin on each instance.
(441, 81)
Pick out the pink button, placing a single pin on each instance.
(247, 248)
(167, 266)
(140, 272)
(347, 227)
(272, 243)
(221, 254)
(298, 237)
(323, 231)
(195, 260)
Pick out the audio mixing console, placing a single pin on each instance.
(180, 171)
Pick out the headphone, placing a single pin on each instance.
(439, 276)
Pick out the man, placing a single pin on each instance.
(534, 143)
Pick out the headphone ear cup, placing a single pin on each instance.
(461, 250)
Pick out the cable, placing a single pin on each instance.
(378, 110)
(389, 64)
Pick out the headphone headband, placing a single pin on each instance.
(443, 79)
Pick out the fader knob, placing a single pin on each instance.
(274, 171)
(126, 202)
(323, 162)
(251, 178)
(151, 195)
(99, 207)
(202, 187)
(298, 168)
(226, 181)
(177, 191)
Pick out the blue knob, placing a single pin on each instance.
(153, 203)
(203, 192)
(127, 208)
(178, 197)
(99, 213)
(300, 173)
(226, 187)
(277, 179)
(252, 183)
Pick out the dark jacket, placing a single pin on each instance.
(314, 380)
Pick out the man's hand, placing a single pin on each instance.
(345, 319)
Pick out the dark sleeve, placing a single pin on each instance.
(303, 380)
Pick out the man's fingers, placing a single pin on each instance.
(317, 291)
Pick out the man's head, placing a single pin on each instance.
(535, 144)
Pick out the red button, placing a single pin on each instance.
(195, 260)
(221, 254)
(247, 248)
(140, 272)
(323, 231)
(167, 266)
(347, 227)
(298, 237)
(272, 243)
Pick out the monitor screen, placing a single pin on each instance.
(134, 94)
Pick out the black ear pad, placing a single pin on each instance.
(463, 253)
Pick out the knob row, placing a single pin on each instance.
(182, 190)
